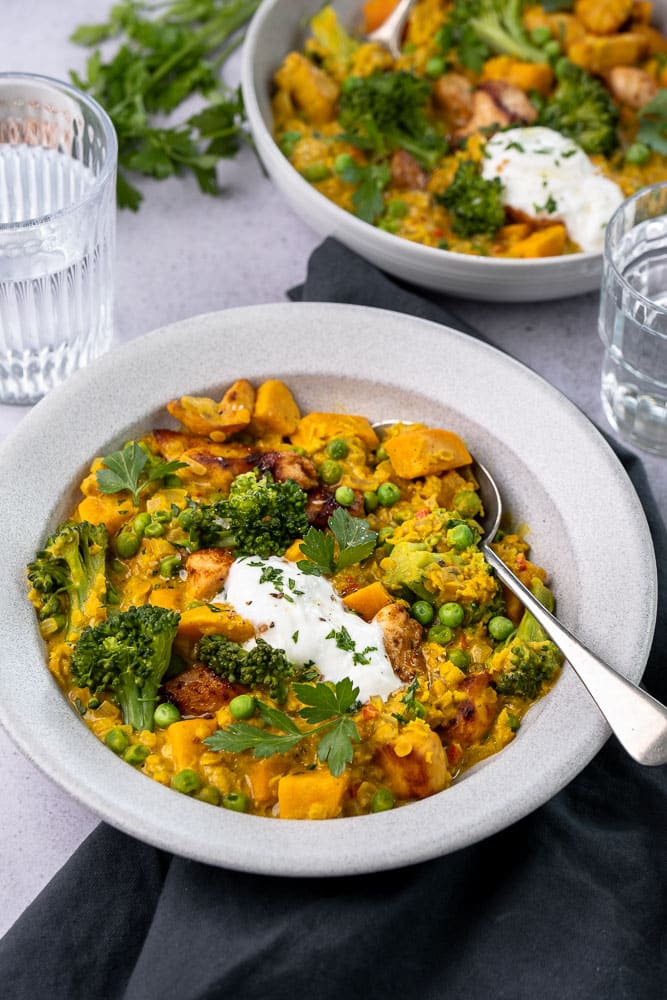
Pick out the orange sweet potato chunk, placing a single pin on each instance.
(311, 795)
(426, 452)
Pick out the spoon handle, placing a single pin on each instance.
(390, 31)
(638, 720)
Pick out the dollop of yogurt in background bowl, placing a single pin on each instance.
(548, 176)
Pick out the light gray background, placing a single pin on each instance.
(186, 253)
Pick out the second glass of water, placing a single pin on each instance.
(633, 320)
(58, 154)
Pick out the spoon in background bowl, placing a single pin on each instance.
(638, 720)
(390, 31)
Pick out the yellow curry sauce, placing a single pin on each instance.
(445, 629)
(475, 90)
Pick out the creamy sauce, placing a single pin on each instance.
(303, 615)
(547, 176)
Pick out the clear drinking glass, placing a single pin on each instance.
(58, 153)
(633, 320)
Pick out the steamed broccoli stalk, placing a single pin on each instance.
(385, 111)
(583, 110)
(128, 654)
(66, 574)
(260, 665)
(405, 569)
(532, 658)
(498, 24)
(259, 517)
(476, 28)
(474, 204)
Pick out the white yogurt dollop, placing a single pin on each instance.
(303, 615)
(548, 176)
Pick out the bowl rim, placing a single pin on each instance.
(113, 393)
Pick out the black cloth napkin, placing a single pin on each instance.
(570, 903)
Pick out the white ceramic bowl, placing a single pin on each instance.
(280, 26)
(556, 472)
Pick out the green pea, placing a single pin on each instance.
(435, 66)
(288, 141)
(388, 494)
(467, 503)
(418, 710)
(186, 518)
(117, 740)
(165, 714)
(94, 703)
(459, 658)
(136, 754)
(344, 496)
(371, 501)
(140, 522)
(169, 565)
(154, 530)
(338, 448)
(442, 634)
(172, 481)
(443, 244)
(451, 614)
(243, 706)
(460, 537)
(127, 544)
(638, 153)
(381, 453)
(210, 794)
(540, 35)
(500, 628)
(343, 162)
(389, 225)
(552, 49)
(330, 472)
(382, 800)
(397, 208)
(235, 801)
(186, 781)
(162, 516)
(423, 612)
(316, 172)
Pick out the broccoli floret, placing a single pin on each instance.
(66, 574)
(263, 664)
(475, 204)
(583, 110)
(384, 112)
(259, 517)
(404, 568)
(332, 37)
(128, 654)
(498, 24)
(530, 657)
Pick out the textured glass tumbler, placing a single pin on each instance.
(58, 154)
(633, 320)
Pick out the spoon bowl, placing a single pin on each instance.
(637, 719)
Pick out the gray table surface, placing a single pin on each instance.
(183, 254)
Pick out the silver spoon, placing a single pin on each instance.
(390, 31)
(638, 720)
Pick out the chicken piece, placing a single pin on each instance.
(452, 93)
(311, 90)
(631, 86)
(171, 445)
(603, 17)
(235, 409)
(320, 506)
(414, 762)
(207, 571)
(406, 172)
(289, 465)
(199, 691)
(402, 640)
(219, 472)
(498, 103)
(475, 715)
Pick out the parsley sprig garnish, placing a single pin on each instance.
(164, 54)
(130, 469)
(354, 539)
(652, 119)
(326, 708)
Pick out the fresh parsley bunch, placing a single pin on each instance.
(165, 54)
